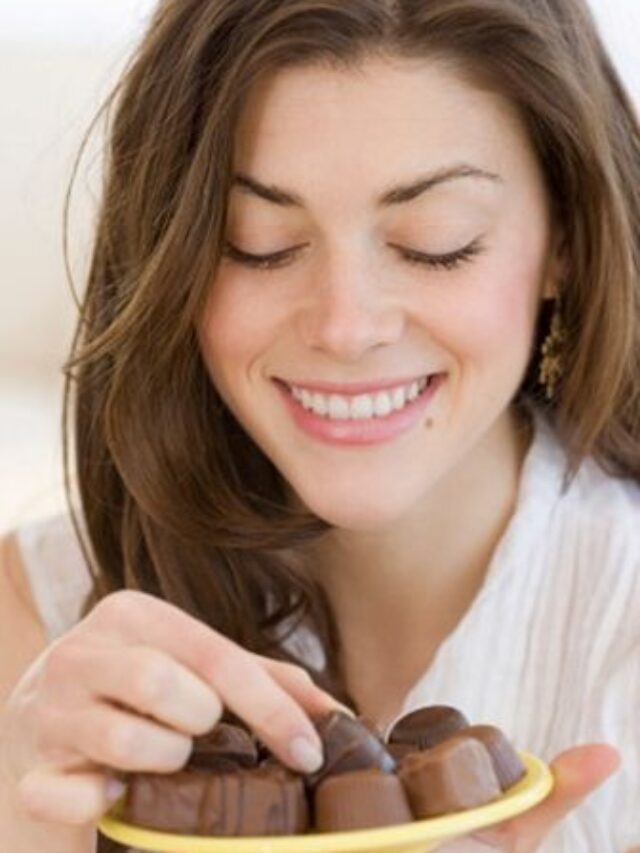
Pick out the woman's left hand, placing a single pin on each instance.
(577, 772)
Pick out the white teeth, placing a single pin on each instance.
(383, 404)
(338, 407)
(361, 407)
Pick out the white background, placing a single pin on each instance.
(58, 58)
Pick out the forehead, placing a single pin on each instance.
(385, 119)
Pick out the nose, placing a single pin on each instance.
(350, 309)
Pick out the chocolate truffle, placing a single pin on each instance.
(506, 761)
(224, 748)
(455, 775)
(256, 801)
(348, 745)
(360, 799)
(428, 726)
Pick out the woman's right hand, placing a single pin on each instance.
(126, 690)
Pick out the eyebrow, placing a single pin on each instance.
(392, 196)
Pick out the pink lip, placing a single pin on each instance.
(351, 388)
(360, 432)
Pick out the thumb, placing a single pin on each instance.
(577, 772)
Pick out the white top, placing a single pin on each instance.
(549, 650)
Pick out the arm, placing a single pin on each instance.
(22, 639)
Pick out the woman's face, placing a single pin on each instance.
(348, 305)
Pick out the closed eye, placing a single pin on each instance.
(277, 260)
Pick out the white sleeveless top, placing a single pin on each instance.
(549, 650)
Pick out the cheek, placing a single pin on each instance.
(493, 315)
(236, 324)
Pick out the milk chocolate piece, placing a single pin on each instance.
(455, 775)
(255, 801)
(348, 745)
(360, 799)
(426, 727)
(506, 761)
(223, 749)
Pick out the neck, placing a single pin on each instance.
(396, 593)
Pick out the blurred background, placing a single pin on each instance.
(58, 60)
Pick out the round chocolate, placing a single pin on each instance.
(348, 745)
(426, 727)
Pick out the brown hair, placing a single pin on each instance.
(178, 501)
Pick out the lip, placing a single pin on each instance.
(352, 388)
(351, 433)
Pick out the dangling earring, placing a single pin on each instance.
(552, 362)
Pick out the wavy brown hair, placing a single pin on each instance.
(176, 498)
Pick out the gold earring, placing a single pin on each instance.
(552, 362)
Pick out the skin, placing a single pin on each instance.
(347, 306)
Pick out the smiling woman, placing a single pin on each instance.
(356, 388)
(437, 276)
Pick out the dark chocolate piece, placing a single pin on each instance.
(256, 801)
(360, 799)
(506, 761)
(455, 775)
(426, 727)
(348, 745)
(224, 748)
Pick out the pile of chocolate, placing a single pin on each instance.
(433, 763)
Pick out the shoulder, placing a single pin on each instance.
(599, 543)
(55, 570)
(22, 633)
(606, 510)
(589, 553)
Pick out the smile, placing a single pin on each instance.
(361, 406)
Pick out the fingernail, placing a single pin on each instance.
(114, 790)
(306, 755)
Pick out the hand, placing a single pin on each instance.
(125, 690)
(577, 772)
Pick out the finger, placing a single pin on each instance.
(143, 679)
(577, 772)
(47, 794)
(113, 737)
(299, 684)
(241, 681)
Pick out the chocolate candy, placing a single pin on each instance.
(256, 801)
(360, 799)
(428, 726)
(435, 764)
(457, 774)
(506, 761)
(224, 749)
(348, 745)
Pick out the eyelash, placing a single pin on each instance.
(269, 263)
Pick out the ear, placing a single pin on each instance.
(557, 270)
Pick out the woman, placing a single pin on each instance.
(357, 388)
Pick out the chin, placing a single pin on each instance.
(357, 512)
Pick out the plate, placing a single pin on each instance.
(419, 836)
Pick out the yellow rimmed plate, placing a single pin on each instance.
(419, 836)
